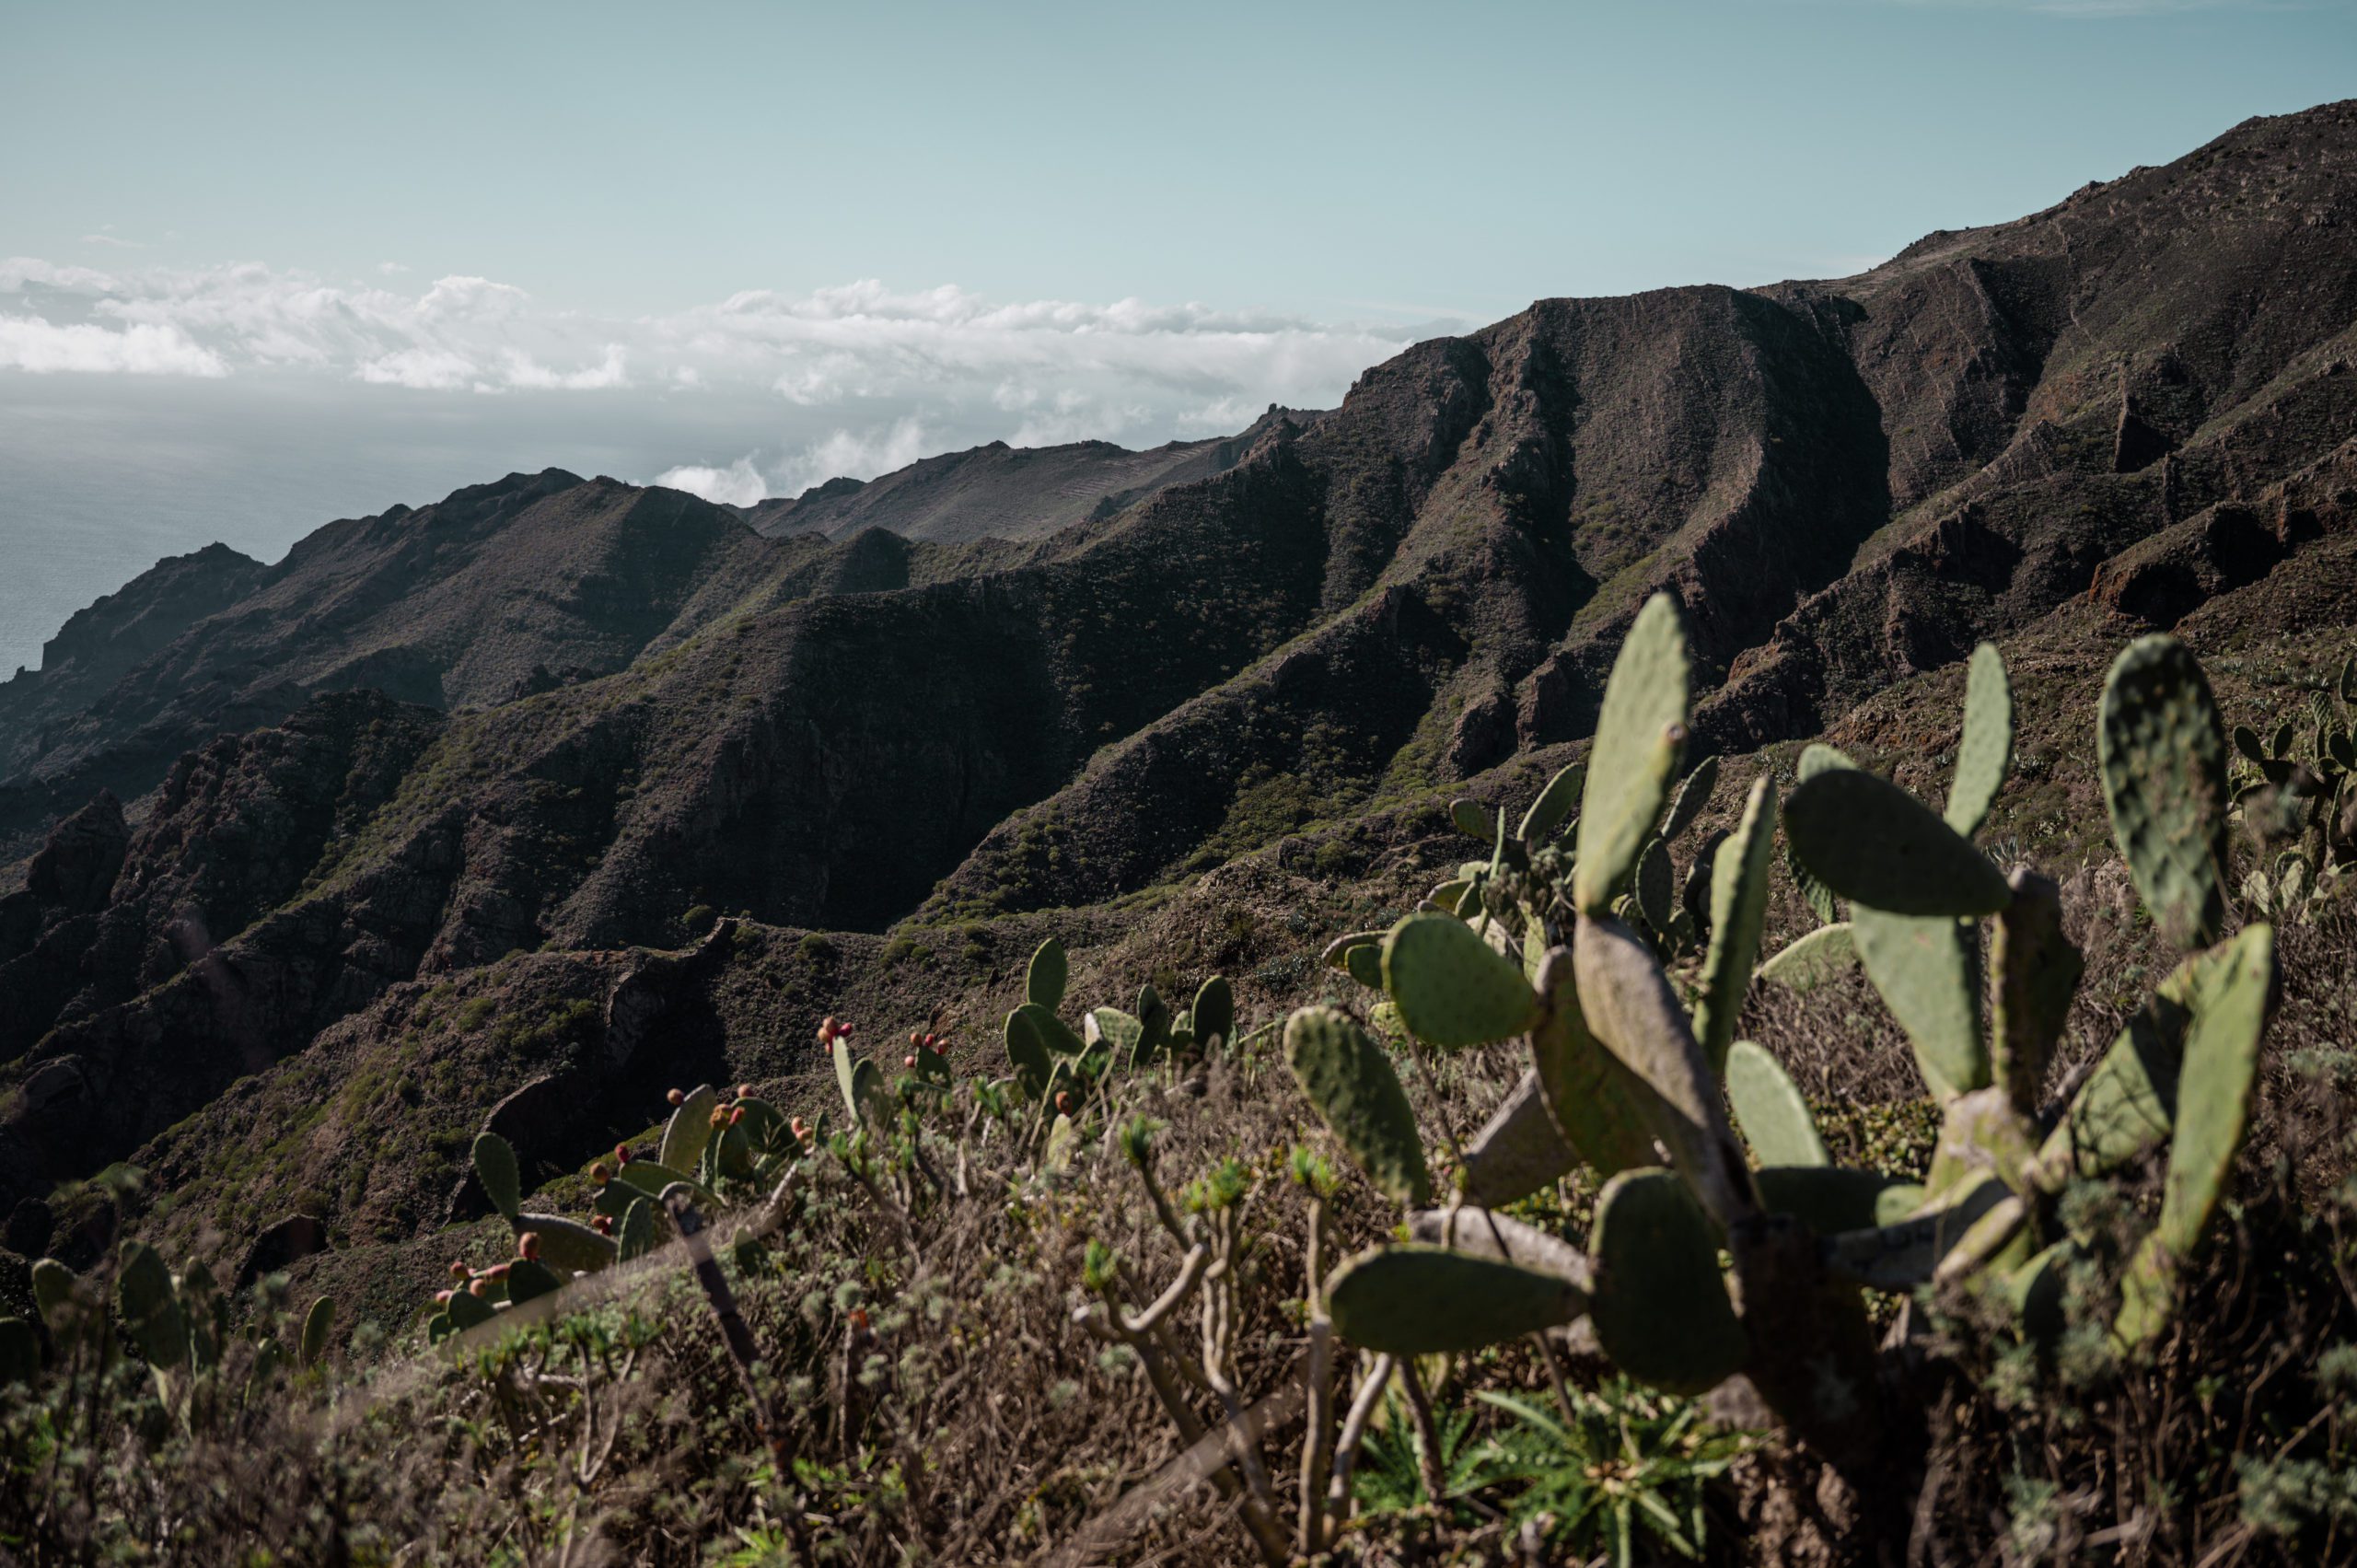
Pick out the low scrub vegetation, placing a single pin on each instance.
(1573, 1226)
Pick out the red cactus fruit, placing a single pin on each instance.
(678, 1096)
(1063, 1101)
(458, 1270)
(719, 1118)
(916, 1037)
(479, 1287)
(599, 1174)
(603, 1225)
(621, 1153)
(859, 1319)
(908, 1060)
(736, 1114)
(528, 1244)
(442, 1297)
(496, 1272)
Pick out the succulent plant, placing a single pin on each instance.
(1049, 1057)
(1637, 1088)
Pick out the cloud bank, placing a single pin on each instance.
(858, 379)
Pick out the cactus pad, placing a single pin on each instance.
(1640, 736)
(319, 1323)
(528, 1280)
(1876, 845)
(1832, 1200)
(496, 1174)
(1452, 988)
(690, 1128)
(1693, 793)
(1549, 812)
(1600, 1107)
(1518, 1151)
(53, 1289)
(1926, 967)
(1660, 1307)
(1986, 751)
(1415, 1300)
(1770, 1110)
(1739, 914)
(1628, 1003)
(2036, 970)
(635, 1235)
(1118, 1033)
(467, 1310)
(1350, 1082)
(1467, 1228)
(2127, 1105)
(1809, 961)
(2231, 992)
(151, 1306)
(567, 1246)
(2164, 762)
(1474, 819)
(1657, 885)
(1043, 983)
(1908, 1253)
(1214, 1014)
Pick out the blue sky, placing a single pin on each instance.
(750, 246)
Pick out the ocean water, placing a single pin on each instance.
(100, 476)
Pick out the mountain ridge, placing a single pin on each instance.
(599, 718)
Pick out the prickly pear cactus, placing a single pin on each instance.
(1417, 1300)
(1660, 1309)
(1640, 737)
(1554, 808)
(151, 1306)
(1878, 846)
(1770, 1110)
(2231, 993)
(1350, 1082)
(1927, 968)
(496, 1174)
(317, 1324)
(1738, 914)
(1986, 752)
(1213, 1018)
(1630, 1006)
(1811, 960)
(1453, 989)
(2163, 756)
(1043, 983)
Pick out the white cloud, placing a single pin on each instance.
(420, 369)
(29, 343)
(850, 380)
(119, 244)
(523, 370)
(738, 484)
(476, 299)
(390, 268)
(848, 454)
(19, 270)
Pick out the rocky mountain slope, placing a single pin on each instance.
(563, 777)
(1001, 492)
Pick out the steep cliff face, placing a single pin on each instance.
(993, 691)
